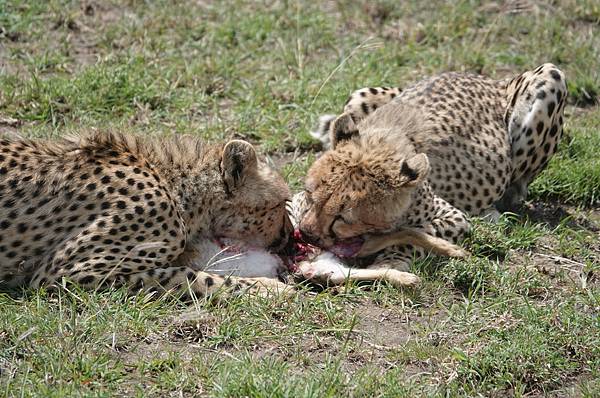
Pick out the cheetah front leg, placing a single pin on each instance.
(438, 236)
(178, 280)
(185, 281)
(411, 236)
(328, 269)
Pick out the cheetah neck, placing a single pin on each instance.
(188, 169)
(198, 187)
(198, 195)
(422, 205)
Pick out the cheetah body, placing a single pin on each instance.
(114, 209)
(484, 141)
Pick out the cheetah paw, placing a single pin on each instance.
(458, 252)
(401, 279)
(270, 286)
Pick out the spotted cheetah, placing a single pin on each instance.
(426, 156)
(114, 209)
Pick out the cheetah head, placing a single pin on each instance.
(359, 188)
(253, 210)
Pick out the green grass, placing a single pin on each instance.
(573, 175)
(518, 318)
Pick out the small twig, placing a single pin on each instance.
(561, 259)
(378, 346)
(363, 334)
(583, 278)
(219, 352)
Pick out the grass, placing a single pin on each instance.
(574, 174)
(519, 318)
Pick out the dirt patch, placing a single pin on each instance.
(76, 33)
(383, 327)
(84, 30)
(564, 272)
(573, 388)
(554, 214)
(378, 334)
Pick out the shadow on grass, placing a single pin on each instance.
(554, 213)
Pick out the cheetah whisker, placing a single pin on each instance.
(222, 261)
(212, 261)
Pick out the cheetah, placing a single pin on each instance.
(106, 209)
(427, 157)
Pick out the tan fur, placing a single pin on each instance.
(392, 126)
(109, 208)
(368, 180)
(410, 236)
(482, 142)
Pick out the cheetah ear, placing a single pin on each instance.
(342, 129)
(239, 158)
(414, 170)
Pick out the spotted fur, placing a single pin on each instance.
(113, 209)
(484, 140)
